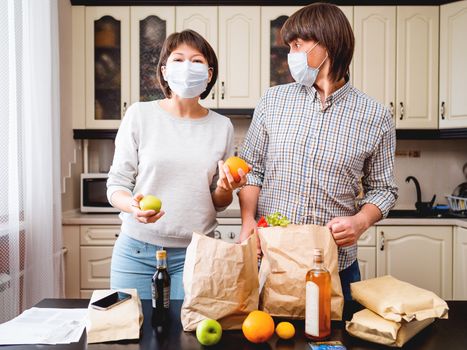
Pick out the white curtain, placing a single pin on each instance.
(30, 202)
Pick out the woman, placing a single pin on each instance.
(173, 149)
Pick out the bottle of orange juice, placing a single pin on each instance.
(318, 299)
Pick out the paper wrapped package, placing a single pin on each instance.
(287, 259)
(369, 326)
(396, 300)
(122, 321)
(220, 280)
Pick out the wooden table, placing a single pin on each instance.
(448, 334)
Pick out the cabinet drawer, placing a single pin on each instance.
(368, 238)
(99, 235)
(95, 267)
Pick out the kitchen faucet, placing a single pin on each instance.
(422, 207)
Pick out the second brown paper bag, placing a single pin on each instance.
(288, 256)
(220, 280)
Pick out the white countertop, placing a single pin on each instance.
(231, 216)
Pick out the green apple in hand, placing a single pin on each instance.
(150, 202)
(209, 332)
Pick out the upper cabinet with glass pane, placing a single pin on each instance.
(107, 65)
(117, 74)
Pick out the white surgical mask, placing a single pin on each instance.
(187, 79)
(301, 72)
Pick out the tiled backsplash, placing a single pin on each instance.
(438, 167)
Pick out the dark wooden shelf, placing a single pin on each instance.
(252, 2)
(443, 134)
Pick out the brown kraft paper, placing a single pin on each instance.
(369, 326)
(120, 322)
(220, 280)
(396, 300)
(288, 256)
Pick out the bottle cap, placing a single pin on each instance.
(318, 251)
(161, 254)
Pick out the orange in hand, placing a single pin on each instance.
(258, 327)
(235, 163)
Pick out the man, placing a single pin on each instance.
(313, 143)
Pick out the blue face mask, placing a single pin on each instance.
(301, 72)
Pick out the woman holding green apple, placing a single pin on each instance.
(172, 149)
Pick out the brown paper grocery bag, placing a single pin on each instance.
(220, 280)
(396, 300)
(286, 261)
(120, 322)
(369, 326)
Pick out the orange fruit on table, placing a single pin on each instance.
(235, 163)
(258, 327)
(285, 330)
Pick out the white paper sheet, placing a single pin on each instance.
(44, 326)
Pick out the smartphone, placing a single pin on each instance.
(110, 300)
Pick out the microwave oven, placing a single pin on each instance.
(94, 194)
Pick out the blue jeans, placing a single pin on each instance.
(349, 275)
(134, 263)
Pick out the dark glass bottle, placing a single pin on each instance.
(160, 291)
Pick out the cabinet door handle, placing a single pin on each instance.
(443, 110)
(213, 96)
(402, 111)
(116, 235)
(381, 247)
(124, 109)
(222, 90)
(391, 109)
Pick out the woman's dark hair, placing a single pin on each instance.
(326, 24)
(194, 40)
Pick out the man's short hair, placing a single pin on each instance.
(328, 25)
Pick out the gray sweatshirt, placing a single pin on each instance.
(174, 159)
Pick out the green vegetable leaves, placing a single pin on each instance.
(277, 219)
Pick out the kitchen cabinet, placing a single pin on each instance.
(239, 54)
(88, 253)
(108, 73)
(149, 28)
(366, 254)
(107, 65)
(274, 66)
(460, 264)
(203, 20)
(417, 67)
(96, 245)
(421, 255)
(408, 86)
(453, 70)
(375, 52)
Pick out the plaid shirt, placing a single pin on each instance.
(309, 160)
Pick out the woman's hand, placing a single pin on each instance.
(144, 216)
(226, 181)
(248, 228)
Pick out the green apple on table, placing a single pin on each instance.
(150, 202)
(209, 332)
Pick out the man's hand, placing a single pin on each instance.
(346, 230)
(248, 228)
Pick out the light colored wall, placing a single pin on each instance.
(438, 169)
(70, 149)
